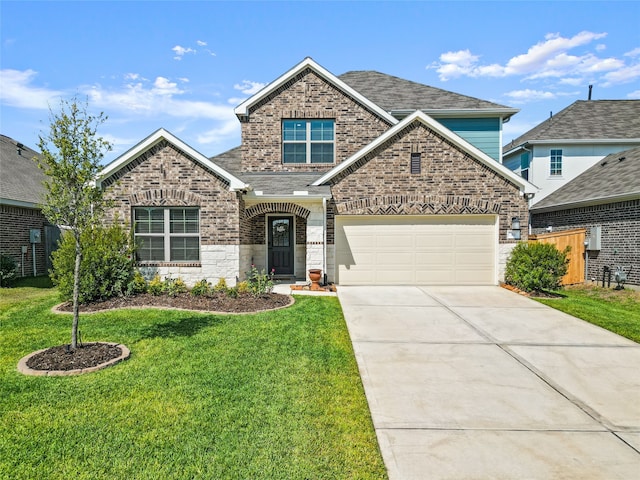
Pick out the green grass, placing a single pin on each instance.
(272, 395)
(615, 310)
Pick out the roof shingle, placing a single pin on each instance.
(20, 178)
(588, 120)
(396, 94)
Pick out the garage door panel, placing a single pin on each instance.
(423, 250)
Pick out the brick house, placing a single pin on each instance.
(371, 178)
(21, 192)
(604, 200)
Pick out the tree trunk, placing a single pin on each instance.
(76, 294)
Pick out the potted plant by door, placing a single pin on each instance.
(314, 275)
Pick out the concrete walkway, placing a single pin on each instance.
(482, 383)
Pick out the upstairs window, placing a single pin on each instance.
(308, 141)
(555, 168)
(167, 234)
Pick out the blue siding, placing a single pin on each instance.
(482, 133)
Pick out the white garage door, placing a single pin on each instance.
(416, 250)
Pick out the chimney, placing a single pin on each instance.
(590, 90)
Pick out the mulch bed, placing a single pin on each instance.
(244, 303)
(85, 356)
(90, 355)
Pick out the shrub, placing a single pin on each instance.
(536, 266)
(174, 286)
(242, 287)
(106, 269)
(221, 286)
(8, 270)
(137, 285)
(155, 286)
(232, 292)
(201, 288)
(259, 283)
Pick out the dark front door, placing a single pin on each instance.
(281, 245)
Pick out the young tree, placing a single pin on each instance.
(71, 156)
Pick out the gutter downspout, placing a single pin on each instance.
(529, 226)
(324, 233)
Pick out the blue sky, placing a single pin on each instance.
(184, 66)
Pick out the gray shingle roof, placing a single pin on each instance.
(20, 178)
(284, 183)
(270, 183)
(229, 160)
(395, 94)
(588, 119)
(614, 177)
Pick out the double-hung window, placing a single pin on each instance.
(167, 234)
(308, 141)
(555, 163)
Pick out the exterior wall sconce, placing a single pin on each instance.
(515, 228)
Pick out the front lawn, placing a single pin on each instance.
(615, 310)
(270, 395)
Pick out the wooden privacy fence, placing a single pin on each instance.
(574, 239)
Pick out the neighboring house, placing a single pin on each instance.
(327, 177)
(568, 143)
(22, 225)
(605, 200)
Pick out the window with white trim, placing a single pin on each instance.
(167, 234)
(308, 141)
(555, 164)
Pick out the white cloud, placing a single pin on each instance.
(548, 59)
(623, 75)
(201, 43)
(527, 95)
(248, 87)
(181, 51)
(227, 129)
(633, 53)
(157, 98)
(16, 90)
(634, 95)
(601, 47)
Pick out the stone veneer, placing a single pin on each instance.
(307, 96)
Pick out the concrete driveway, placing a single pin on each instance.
(482, 383)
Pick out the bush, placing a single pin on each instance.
(221, 286)
(137, 285)
(107, 263)
(8, 270)
(174, 286)
(259, 283)
(201, 288)
(242, 287)
(536, 266)
(155, 286)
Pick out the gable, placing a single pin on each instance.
(307, 96)
(445, 136)
(123, 163)
(308, 64)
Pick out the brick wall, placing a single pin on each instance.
(450, 182)
(15, 223)
(164, 176)
(620, 223)
(305, 96)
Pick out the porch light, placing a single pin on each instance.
(515, 228)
